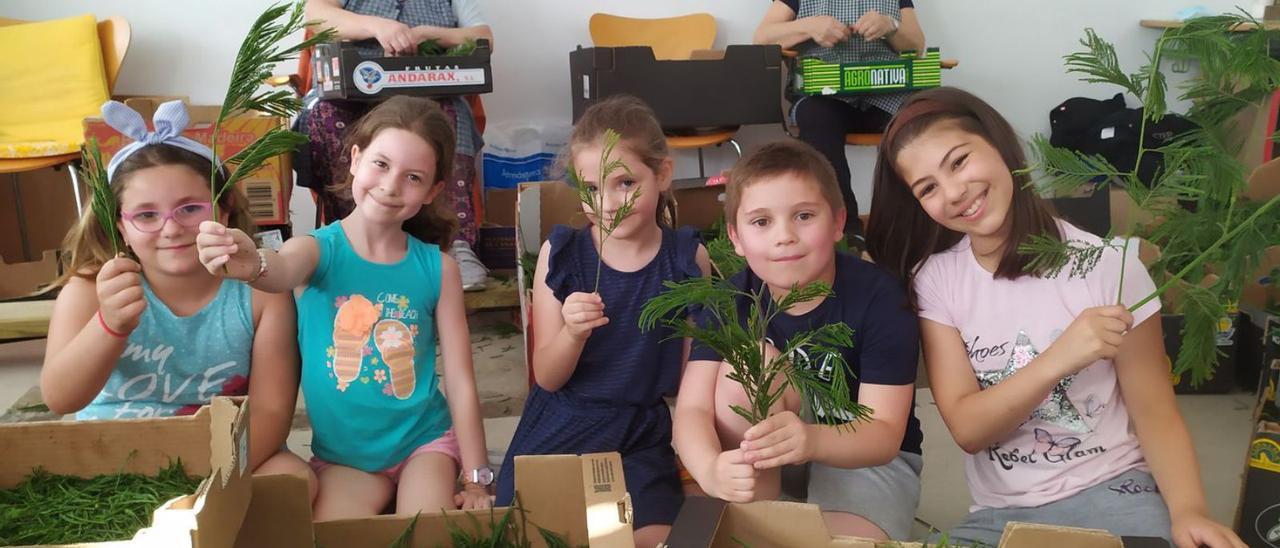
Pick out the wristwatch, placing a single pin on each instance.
(896, 24)
(482, 476)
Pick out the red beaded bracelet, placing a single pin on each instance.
(108, 329)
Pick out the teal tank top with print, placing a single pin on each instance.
(368, 340)
(174, 364)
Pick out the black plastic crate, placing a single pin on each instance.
(743, 87)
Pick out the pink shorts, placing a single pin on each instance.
(446, 444)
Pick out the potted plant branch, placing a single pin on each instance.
(1209, 234)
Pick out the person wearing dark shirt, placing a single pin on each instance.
(784, 216)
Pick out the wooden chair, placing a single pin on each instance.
(671, 38)
(114, 34)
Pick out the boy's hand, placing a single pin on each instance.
(120, 297)
(734, 479)
(473, 497)
(219, 246)
(780, 439)
(582, 313)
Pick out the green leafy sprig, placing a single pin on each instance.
(593, 195)
(764, 378)
(55, 509)
(259, 53)
(103, 201)
(1206, 224)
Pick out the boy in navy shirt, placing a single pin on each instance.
(785, 214)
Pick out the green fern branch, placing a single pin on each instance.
(103, 202)
(255, 61)
(593, 195)
(1196, 195)
(737, 330)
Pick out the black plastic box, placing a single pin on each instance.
(342, 73)
(743, 87)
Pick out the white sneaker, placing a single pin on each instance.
(473, 271)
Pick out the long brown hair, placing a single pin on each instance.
(900, 234)
(641, 134)
(87, 246)
(422, 117)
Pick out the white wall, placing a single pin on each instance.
(1010, 51)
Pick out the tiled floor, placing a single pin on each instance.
(1219, 425)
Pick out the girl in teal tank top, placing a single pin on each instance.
(374, 293)
(150, 333)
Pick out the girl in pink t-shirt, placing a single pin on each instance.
(1059, 395)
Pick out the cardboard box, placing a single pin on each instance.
(496, 245)
(19, 280)
(268, 189)
(37, 209)
(582, 498)
(342, 73)
(707, 522)
(212, 443)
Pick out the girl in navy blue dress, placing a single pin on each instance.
(600, 379)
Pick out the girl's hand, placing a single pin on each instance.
(734, 478)
(582, 313)
(232, 248)
(780, 439)
(1094, 335)
(873, 25)
(120, 297)
(828, 31)
(473, 497)
(396, 38)
(1196, 529)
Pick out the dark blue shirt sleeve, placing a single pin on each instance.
(699, 351)
(888, 341)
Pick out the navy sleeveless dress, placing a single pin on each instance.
(614, 399)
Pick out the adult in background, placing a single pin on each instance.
(843, 31)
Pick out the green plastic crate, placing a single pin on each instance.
(909, 71)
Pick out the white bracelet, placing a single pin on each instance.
(262, 267)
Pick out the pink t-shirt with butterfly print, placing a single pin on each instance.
(1080, 435)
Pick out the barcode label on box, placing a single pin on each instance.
(263, 202)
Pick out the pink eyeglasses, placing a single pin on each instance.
(189, 215)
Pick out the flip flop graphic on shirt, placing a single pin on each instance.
(395, 343)
(350, 333)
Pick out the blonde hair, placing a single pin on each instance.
(641, 134)
(422, 117)
(87, 246)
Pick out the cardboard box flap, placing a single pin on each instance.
(1034, 535)
(279, 514)
(709, 522)
(555, 490)
(93, 448)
